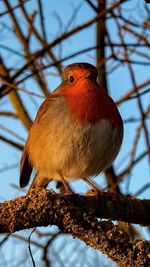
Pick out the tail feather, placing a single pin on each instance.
(25, 168)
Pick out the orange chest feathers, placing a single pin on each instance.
(93, 106)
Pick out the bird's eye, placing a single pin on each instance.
(71, 79)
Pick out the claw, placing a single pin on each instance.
(95, 189)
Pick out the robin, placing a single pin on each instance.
(77, 132)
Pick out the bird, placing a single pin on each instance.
(77, 132)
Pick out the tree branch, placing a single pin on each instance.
(12, 143)
(76, 215)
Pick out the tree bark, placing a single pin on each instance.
(77, 215)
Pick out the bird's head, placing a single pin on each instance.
(79, 71)
(85, 99)
(77, 79)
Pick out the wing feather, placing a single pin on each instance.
(25, 164)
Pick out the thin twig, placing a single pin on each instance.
(30, 251)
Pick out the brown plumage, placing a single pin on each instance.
(77, 132)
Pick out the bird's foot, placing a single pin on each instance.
(94, 191)
(64, 187)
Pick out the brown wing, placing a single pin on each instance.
(25, 164)
(25, 167)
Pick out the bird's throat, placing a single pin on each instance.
(91, 106)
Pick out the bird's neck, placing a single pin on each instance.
(91, 104)
(88, 103)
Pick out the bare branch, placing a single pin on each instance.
(13, 8)
(131, 92)
(65, 36)
(9, 114)
(10, 142)
(15, 98)
(73, 214)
